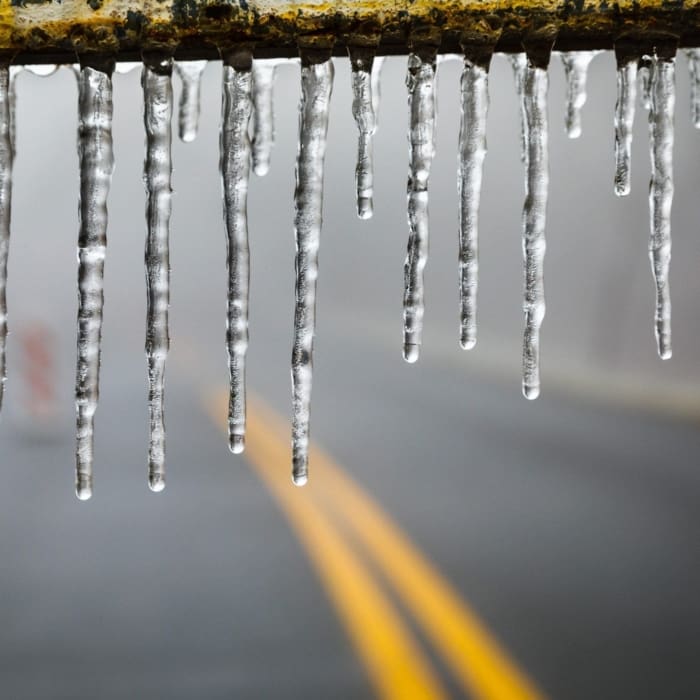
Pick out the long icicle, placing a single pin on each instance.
(361, 61)
(316, 88)
(576, 71)
(534, 212)
(263, 114)
(96, 166)
(420, 80)
(693, 56)
(661, 117)
(7, 146)
(156, 80)
(518, 62)
(190, 73)
(472, 150)
(624, 122)
(235, 171)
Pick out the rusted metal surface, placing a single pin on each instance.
(56, 30)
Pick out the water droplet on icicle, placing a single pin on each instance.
(575, 70)
(96, 166)
(156, 80)
(420, 80)
(644, 77)
(263, 114)
(190, 73)
(694, 69)
(518, 62)
(6, 160)
(316, 87)
(534, 98)
(661, 116)
(624, 122)
(235, 170)
(472, 149)
(361, 60)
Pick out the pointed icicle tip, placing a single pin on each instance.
(237, 444)
(300, 479)
(411, 352)
(156, 482)
(83, 490)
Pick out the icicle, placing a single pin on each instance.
(361, 60)
(376, 87)
(190, 73)
(156, 80)
(518, 62)
(694, 69)
(534, 97)
(235, 168)
(96, 165)
(263, 115)
(420, 80)
(316, 87)
(644, 76)
(624, 121)
(661, 118)
(6, 158)
(576, 70)
(12, 100)
(472, 147)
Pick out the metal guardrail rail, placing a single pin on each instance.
(41, 31)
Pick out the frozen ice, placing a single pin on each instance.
(420, 80)
(235, 170)
(316, 88)
(190, 73)
(156, 79)
(624, 122)
(96, 160)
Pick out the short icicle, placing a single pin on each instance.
(576, 71)
(661, 118)
(624, 122)
(263, 116)
(361, 61)
(518, 62)
(6, 159)
(693, 56)
(535, 86)
(96, 166)
(420, 80)
(644, 67)
(472, 152)
(235, 170)
(190, 73)
(316, 88)
(376, 87)
(156, 80)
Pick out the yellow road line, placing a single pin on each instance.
(478, 661)
(395, 664)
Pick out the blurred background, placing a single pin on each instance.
(558, 540)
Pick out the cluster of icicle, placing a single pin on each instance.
(247, 136)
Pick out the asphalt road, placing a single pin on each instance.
(569, 526)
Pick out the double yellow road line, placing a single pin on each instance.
(335, 520)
